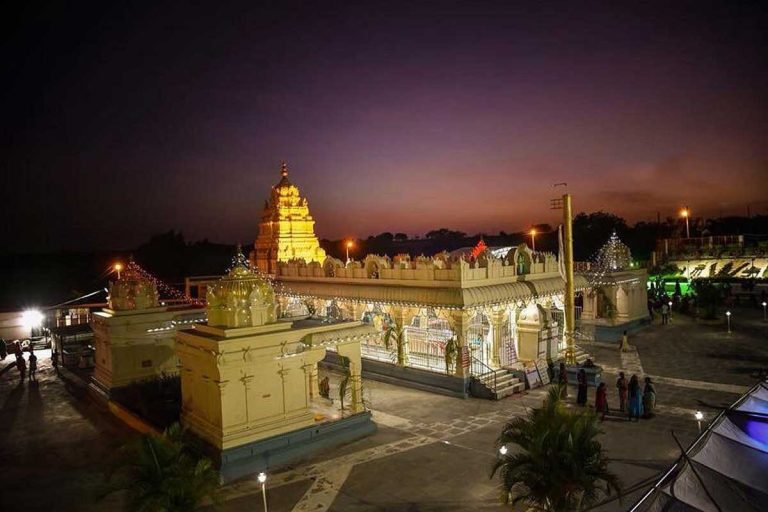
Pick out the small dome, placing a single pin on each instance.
(242, 298)
(614, 256)
(132, 291)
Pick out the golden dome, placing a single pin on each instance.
(132, 291)
(242, 298)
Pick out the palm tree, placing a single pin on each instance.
(561, 467)
(160, 475)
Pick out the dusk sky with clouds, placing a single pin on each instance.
(123, 121)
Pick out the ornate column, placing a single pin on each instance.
(351, 350)
(497, 322)
(313, 385)
(459, 322)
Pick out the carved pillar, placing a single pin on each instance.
(459, 322)
(351, 350)
(497, 322)
(401, 317)
(312, 380)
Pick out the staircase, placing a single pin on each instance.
(493, 384)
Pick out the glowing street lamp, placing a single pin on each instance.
(728, 317)
(685, 213)
(32, 319)
(765, 318)
(699, 416)
(350, 244)
(263, 481)
(118, 267)
(533, 240)
(503, 450)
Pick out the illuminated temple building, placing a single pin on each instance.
(449, 323)
(286, 230)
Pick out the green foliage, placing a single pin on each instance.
(708, 297)
(160, 475)
(344, 388)
(562, 466)
(396, 336)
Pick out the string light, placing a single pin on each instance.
(134, 269)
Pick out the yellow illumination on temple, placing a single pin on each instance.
(287, 230)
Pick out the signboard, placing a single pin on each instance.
(541, 366)
(532, 377)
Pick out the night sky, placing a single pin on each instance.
(117, 122)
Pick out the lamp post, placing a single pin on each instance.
(350, 244)
(699, 416)
(263, 481)
(118, 268)
(685, 213)
(728, 317)
(533, 240)
(765, 318)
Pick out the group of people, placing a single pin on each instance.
(27, 367)
(633, 400)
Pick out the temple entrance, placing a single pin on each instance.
(427, 335)
(480, 344)
(508, 346)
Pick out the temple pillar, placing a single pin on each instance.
(401, 317)
(351, 351)
(313, 384)
(588, 305)
(497, 322)
(459, 322)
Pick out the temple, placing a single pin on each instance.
(286, 230)
(249, 382)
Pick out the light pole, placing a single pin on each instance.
(263, 480)
(728, 317)
(349, 245)
(685, 213)
(699, 416)
(118, 268)
(765, 318)
(533, 240)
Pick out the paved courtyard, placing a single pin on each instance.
(430, 452)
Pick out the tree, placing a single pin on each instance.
(401, 237)
(708, 297)
(561, 467)
(160, 475)
(592, 230)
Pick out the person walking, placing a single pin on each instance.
(664, 313)
(601, 401)
(32, 365)
(621, 385)
(562, 379)
(635, 399)
(21, 364)
(581, 399)
(649, 398)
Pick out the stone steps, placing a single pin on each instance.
(505, 384)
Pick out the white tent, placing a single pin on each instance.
(725, 469)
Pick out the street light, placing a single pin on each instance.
(503, 450)
(32, 319)
(764, 315)
(349, 245)
(118, 268)
(533, 240)
(728, 317)
(685, 213)
(263, 481)
(699, 416)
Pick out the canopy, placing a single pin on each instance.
(725, 468)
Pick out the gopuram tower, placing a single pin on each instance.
(286, 230)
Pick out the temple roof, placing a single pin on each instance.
(284, 181)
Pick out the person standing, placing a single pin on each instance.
(562, 379)
(32, 365)
(21, 364)
(635, 399)
(664, 313)
(621, 385)
(649, 398)
(601, 401)
(581, 399)
(55, 360)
